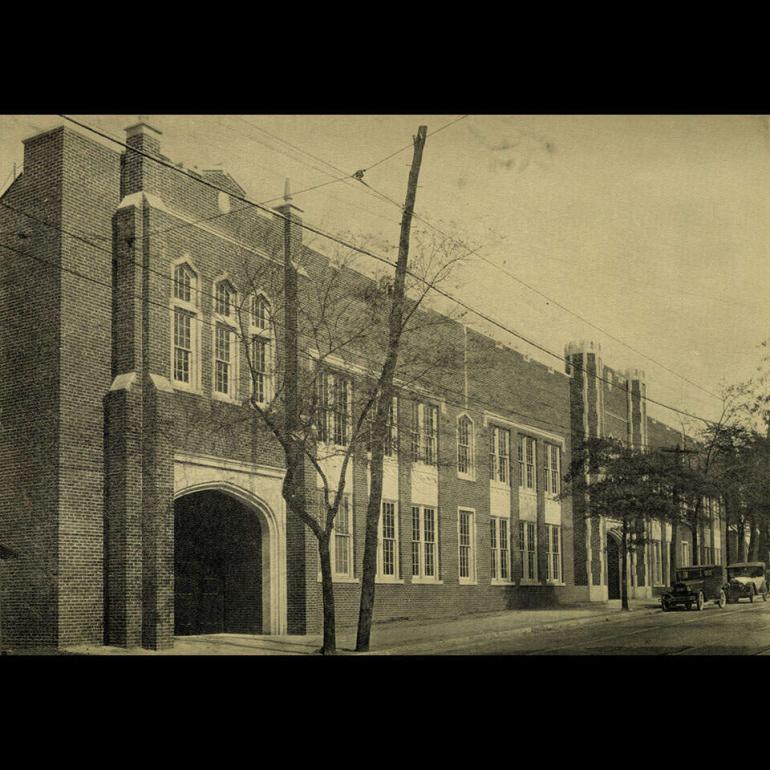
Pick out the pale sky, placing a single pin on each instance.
(653, 228)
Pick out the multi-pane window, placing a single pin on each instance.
(466, 537)
(390, 446)
(184, 283)
(334, 397)
(223, 375)
(343, 539)
(527, 464)
(424, 432)
(499, 540)
(224, 301)
(388, 540)
(552, 469)
(183, 351)
(685, 554)
(553, 553)
(424, 543)
(225, 349)
(184, 328)
(261, 348)
(499, 454)
(341, 544)
(528, 550)
(465, 446)
(260, 312)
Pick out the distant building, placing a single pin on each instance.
(141, 502)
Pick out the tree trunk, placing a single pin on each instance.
(624, 567)
(329, 646)
(753, 540)
(366, 607)
(395, 330)
(694, 522)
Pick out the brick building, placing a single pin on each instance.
(144, 499)
(608, 403)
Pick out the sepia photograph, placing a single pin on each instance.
(377, 385)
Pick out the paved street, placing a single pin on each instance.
(742, 629)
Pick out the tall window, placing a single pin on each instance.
(185, 329)
(499, 539)
(388, 540)
(528, 550)
(527, 467)
(222, 356)
(341, 544)
(465, 446)
(499, 454)
(466, 537)
(552, 469)
(343, 539)
(334, 404)
(391, 438)
(225, 346)
(685, 555)
(262, 348)
(424, 543)
(553, 553)
(424, 432)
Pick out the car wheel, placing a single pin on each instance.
(688, 605)
(665, 605)
(751, 594)
(700, 601)
(722, 599)
(764, 594)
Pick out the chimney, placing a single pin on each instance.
(143, 137)
(138, 172)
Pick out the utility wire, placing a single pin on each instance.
(373, 255)
(534, 289)
(315, 359)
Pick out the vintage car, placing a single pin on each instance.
(694, 586)
(747, 579)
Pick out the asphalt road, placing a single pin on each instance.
(742, 629)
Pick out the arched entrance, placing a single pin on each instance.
(217, 565)
(613, 565)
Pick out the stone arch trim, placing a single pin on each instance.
(259, 489)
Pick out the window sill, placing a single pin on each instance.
(424, 467)
(527, 492)
(501, 485)
(466, 477)
(468, 582)
(341, 579)
(224, 399)
(555, 583)
(497, 582)
(388, 580)
(182, 388)
(529, 582)
(422, 581)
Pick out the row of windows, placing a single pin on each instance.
(186, 334)
(424, 553)
(334, 390)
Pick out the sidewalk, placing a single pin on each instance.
(400, 637)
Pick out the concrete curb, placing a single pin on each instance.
(435, 646)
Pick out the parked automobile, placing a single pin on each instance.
(747, 579)
(694, 586)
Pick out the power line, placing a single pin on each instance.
(459, 404)
(371, 254)
(537, 291)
